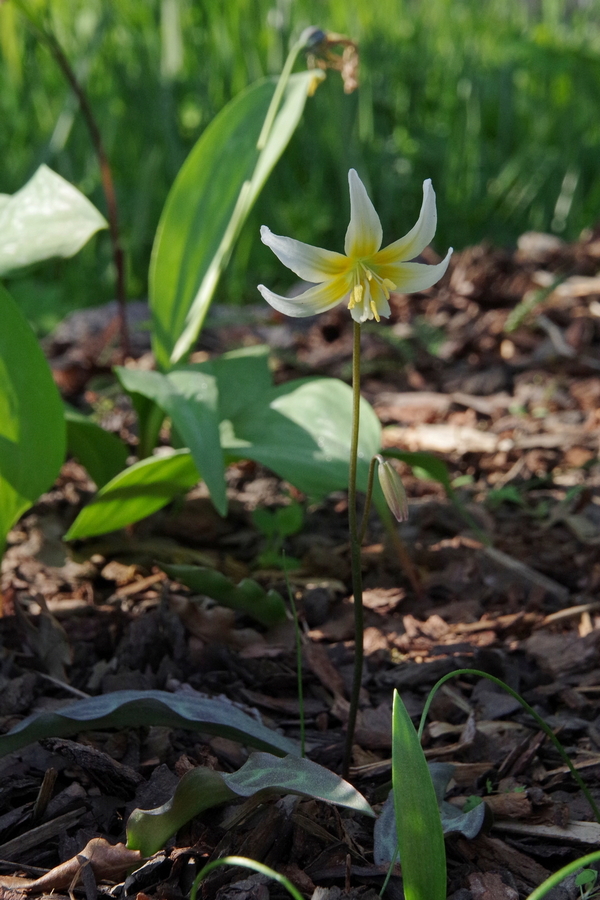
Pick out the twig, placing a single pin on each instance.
(108, 186)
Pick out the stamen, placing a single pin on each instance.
(356, 295)
(374, 310)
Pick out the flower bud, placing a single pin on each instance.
(393, 489)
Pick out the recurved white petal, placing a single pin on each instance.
(414, 276)
(308, 262)
(315, 300)
(364, 234)
(419, 237)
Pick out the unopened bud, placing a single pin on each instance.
(393, 489)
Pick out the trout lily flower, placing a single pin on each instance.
(364, 277)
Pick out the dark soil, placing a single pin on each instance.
(497, 371)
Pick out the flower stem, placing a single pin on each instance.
(278, 95)
(355, 554)
(367, 509)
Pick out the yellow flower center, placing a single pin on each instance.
(361, 273)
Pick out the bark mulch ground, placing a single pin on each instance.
(497, 371)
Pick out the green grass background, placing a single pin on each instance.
(498, 101)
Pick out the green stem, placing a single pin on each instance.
(51, 41)
(367, 509)
(298, 635)
(546, 886)
(543, 725)
(245, 863)
(278, 95)
(354, 553)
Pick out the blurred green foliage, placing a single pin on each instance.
(496, 102)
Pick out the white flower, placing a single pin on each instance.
(365, 276)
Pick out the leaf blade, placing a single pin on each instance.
(140, 490)
(199, 789)
(47, 217)
(217, 184)
(420, 834)
(123, 709)
(267, 607)
(32, 424)
(101, 453)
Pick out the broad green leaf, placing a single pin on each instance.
(207, 206)
(135, 493)
(47, 217)
(243, 376)
(199, 789)
(420, 835)
(267, 607)
(32, 424)
(301, 430)
(101, 452)
(190, 397)
(148, 830)
(130, 709)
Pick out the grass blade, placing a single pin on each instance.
(420, 835)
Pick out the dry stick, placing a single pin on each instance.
(355, 553)
(107, 182)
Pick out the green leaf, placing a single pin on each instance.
(424, 465)
(467, 822)
(148, 830)
(301, 430)
(199, 789)
(101, 452)
(243, 376)
(130, 709)
(47, 217)
(586, 877)
(420, 835)
(190, 398)
(32, 424)
(207, 206)
(290, 519)
(267, 607)
(135, 493)
(265, 521)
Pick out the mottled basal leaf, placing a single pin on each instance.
(136, 493)
(267, 607)
(201, 788)
(32, 424)
(130, 709)
(454, 821)
(47, 217)
(101, 452)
